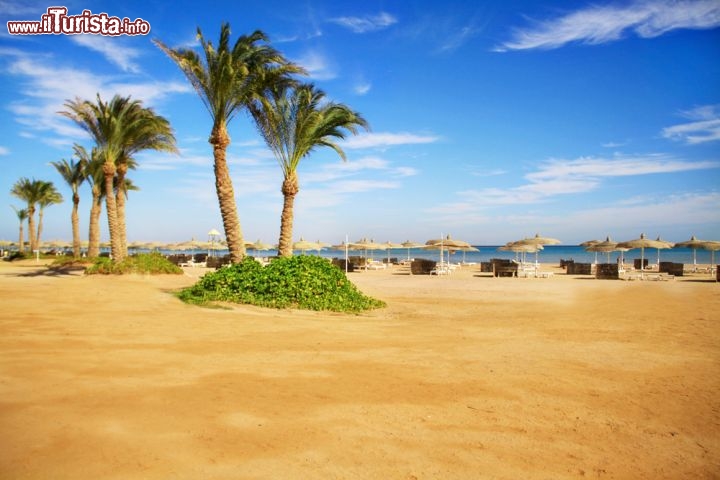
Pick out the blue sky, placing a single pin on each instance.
(491, 121)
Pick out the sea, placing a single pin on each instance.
(551, 254)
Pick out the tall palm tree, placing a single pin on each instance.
(94, 169)
(74, 173)
(121, 128)
(30, 191)
(22, 215)
(293, 123)
(227, 80)
(50, 196)
(123, 165)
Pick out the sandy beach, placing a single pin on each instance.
(460, 377)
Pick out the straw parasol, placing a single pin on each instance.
(517, 247)
(538, 240)
(666, 246)
(465, 250)
(591, 243)
(409, 244)
(712, 246)
(303, 245)
(606, 246)
(258, 245)
(367, 245)
(445, 243)
(642, 243)
(391, 246)
(693, 243)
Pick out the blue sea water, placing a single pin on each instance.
(552, 254)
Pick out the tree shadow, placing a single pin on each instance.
(59, 271)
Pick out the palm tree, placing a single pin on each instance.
(50, 196)
(74, 173)
(30, 191)
(121, 128)
(94, 170)
(293, 123)
(22, 215)
(124, 165)
(227, 80)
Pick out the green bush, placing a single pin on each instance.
(305, 282)
(17, 256)
(151, 263)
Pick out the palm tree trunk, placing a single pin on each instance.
(75, 225)
(21, 242)
(39, 228)
(219, 139)
(120, 198)
(111, 206)
(31, 228)
(289, 190)
(94, 232)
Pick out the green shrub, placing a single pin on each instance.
(150, 263)
(305, 282)
(17, 256)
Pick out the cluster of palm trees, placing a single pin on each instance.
(293, 118)
(37, 194)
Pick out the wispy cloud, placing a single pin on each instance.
(45, 88)
(332, 172)
(386, 139)
(317, 65)
(563, 177)
(601, 24)
(705, 126)
(458, 38)
(111, 49)
(4, 151)
(362, 88)
(367, 23)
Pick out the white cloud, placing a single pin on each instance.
(46, 87)
(563, 177)
(362, 88)
(602, 24)
(111, 49)
(317, 65)
(386, 139)
(704, 128)
(368, 23)
(333, 172)
(4, 151)
(458, 38)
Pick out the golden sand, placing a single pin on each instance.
(460, 377)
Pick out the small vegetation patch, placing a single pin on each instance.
(148, 263)
(305, 282)
(17, 256)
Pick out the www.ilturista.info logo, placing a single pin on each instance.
(57, 22)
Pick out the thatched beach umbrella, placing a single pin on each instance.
(665, 246)
(391, 246)
(520, 248)
(642, 243)
(606, 246)
(693, 243)
(712, 246)
(591, 243)
(368, 245)
(408, 244)
(445, 243)
(303, 245)
(538, 240)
